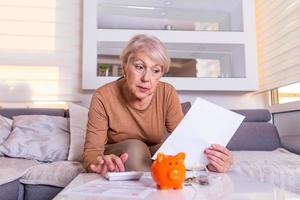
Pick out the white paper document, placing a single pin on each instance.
(204, 124)
(118, 189)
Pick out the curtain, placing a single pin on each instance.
(278, 42)
(40, 50)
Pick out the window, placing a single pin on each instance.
(39, 52)
(286, 94)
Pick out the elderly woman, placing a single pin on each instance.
(128, 117)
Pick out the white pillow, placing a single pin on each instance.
(5, 129)
(38, 137)
(78, 122)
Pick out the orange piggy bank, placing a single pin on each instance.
(168, 171)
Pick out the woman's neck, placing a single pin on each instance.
(133, 101)
(141, 104)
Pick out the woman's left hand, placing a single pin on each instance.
(220, 158)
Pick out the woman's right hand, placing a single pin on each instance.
(109, 163)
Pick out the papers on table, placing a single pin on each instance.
(117, 189)
(203, 125)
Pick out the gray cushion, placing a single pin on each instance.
(252, 115)
(255, 133)
(39, 137)
(185, 106)
(291, 143)
(255, 136)
(255, 115)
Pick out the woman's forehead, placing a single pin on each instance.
(144, 57)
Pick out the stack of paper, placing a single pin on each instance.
(204, 124)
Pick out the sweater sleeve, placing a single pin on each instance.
(96, 133)
(174, 112)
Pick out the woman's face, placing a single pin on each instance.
(142, 75)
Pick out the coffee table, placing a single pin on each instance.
(221, 186)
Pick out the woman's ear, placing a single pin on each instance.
(124, 67)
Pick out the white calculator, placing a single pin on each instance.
(123, 176)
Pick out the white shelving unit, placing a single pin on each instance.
(233, 44)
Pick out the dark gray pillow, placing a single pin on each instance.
(38, 137)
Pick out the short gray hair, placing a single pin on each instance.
(151, 46)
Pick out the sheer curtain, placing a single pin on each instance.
(40, 51)
(278, 42)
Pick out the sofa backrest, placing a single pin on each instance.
(255, 133)
(10, 112)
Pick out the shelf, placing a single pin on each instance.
(194, 15)
(109, 35)
(192, 84)
(188, 60)
(229, 46)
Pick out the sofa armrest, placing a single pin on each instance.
(291, 143)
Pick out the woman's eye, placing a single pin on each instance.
(156, 71)
(139, 67)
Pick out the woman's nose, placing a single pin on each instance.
(146, 76)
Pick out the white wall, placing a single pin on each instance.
(230, 100)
